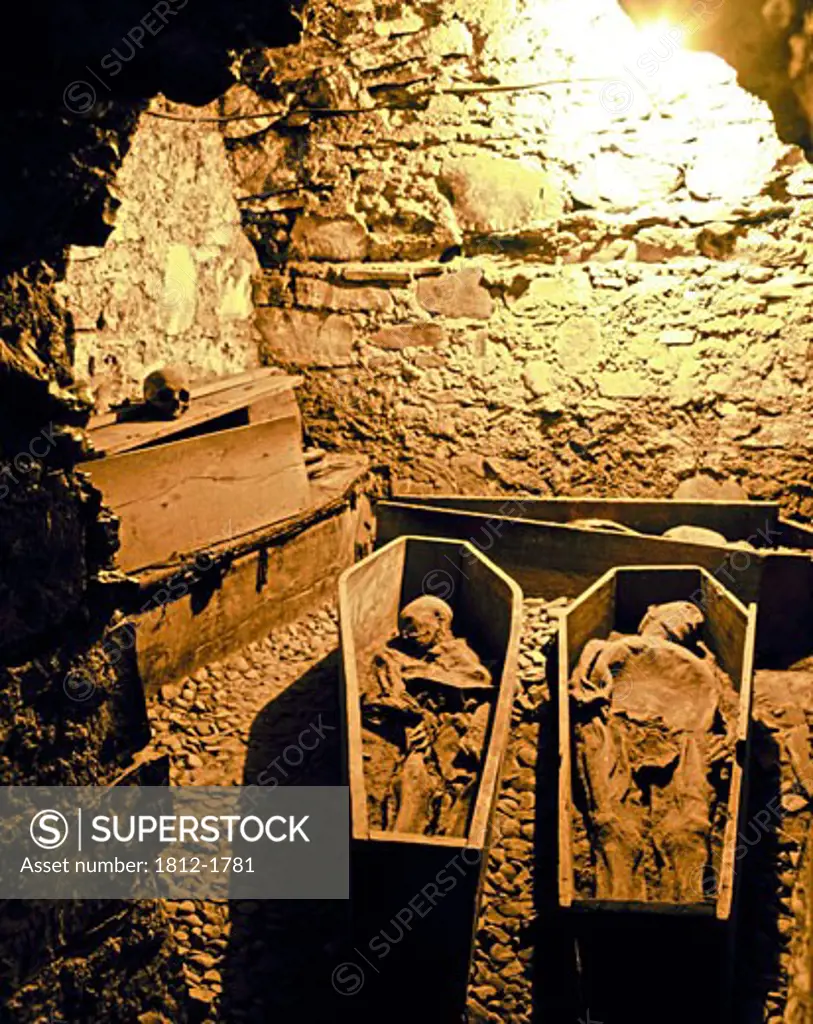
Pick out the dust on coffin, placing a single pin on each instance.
(624, 601)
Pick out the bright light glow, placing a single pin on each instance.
(662, 34)
(637, 110)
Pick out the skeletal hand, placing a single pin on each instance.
(718, 748)
(419, 739)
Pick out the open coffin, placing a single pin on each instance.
(641, 789)
(401, 877)
(546, 545)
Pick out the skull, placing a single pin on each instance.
(680, 622)
(424, 623)
(166, 392)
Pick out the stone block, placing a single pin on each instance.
(621, 182)
(572, 287)
(320, 238)
(677, 336)
(456, 295)
(702, 487)
(492, 193)
(660, 243)
(541, 379)
(622, 384)
(579, 344)
(319, 294)
(304, 338)
(619, 249)
(424, 335)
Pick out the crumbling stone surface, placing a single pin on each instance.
(616, 378)
(71, 705)
(74, 713)
(74, 954)
(617, 301)
(768, 43)
(172, 282)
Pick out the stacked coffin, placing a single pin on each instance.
(560, 546)
(230, 464)
(227, 527)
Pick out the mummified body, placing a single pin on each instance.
(426, 711)
(652, 746)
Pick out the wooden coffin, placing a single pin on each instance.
(618, 602)
(231, 464)
(205, 608)
(396, 876)
(735, 520)
(554, 558)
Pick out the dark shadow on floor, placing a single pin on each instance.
(282, 953)
(556, 991)
(306, 960)
(759, 855)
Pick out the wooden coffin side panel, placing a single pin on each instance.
(726, 628)
(369, 600)
(785, 620)
(738, 793)
(592, 615)
(550, 560)
(187, 624)
(186, 495)
(736, 520)
(432, 566)
(637, 589)
(795, 535)
(491, 602)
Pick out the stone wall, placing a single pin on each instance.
(172, 283)
(600, 284)
(70, 714)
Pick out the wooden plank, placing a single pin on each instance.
(185, 626)
(209, 402)
(639, 587)
(183, 496)
(492, 603)
(407, 838)
(725, 628)
(736, 520)
(550, 560)
(785, 598)
(795, 535)
(369, 600)
(336, 482)
(737, 797)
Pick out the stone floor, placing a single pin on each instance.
(236, 722)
